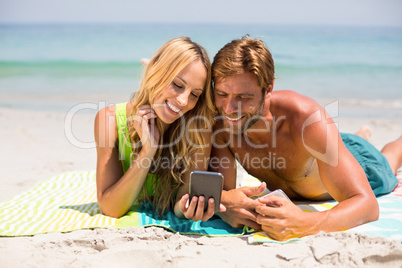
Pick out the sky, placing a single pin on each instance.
(309, 12)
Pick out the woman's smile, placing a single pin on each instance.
(172, 107)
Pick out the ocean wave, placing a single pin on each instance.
(67, 68)
(377, 103)
(69, 63)
(360, 67)
(42, 66)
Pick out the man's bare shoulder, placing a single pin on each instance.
(296, 107)
(297, 111)
(292, 101)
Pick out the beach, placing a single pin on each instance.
(54, 78)
(39, 144)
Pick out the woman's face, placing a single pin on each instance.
(182, 94)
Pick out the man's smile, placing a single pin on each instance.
(233, 119)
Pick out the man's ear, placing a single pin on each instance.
(269, 89)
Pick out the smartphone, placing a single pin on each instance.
(277, 192)
(207, 184)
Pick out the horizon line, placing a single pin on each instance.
(94, 23)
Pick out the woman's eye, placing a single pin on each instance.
(176, 85)
(195, 95)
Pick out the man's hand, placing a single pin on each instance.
(282, 219)
(240, 208)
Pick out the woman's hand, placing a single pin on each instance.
(145, 125)
(194, 209)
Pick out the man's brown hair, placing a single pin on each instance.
(244, 55)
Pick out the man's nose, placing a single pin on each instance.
(232, 106)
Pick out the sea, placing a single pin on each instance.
(57, 67)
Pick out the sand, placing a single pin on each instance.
(35, 146)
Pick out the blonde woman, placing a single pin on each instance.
(149, 154)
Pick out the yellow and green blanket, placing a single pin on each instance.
(68, 202)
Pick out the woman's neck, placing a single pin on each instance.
(165, 126)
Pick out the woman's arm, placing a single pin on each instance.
(116, 192)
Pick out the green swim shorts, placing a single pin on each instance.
(379, 174)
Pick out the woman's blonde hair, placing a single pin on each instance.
(165, 65)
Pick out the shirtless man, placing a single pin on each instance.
(289, 142)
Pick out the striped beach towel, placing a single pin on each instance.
(68, 202)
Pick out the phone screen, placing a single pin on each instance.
(207, 184)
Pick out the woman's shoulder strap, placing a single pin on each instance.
(125, 149)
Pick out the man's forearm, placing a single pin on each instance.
(286, 220)
(349, 213)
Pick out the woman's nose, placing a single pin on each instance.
(182, 99)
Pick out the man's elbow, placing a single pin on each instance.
(374, 210)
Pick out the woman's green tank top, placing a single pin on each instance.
(125, 150)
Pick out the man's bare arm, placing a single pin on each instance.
(340, 174)
(343, 177)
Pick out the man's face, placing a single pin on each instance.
(239, 101)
